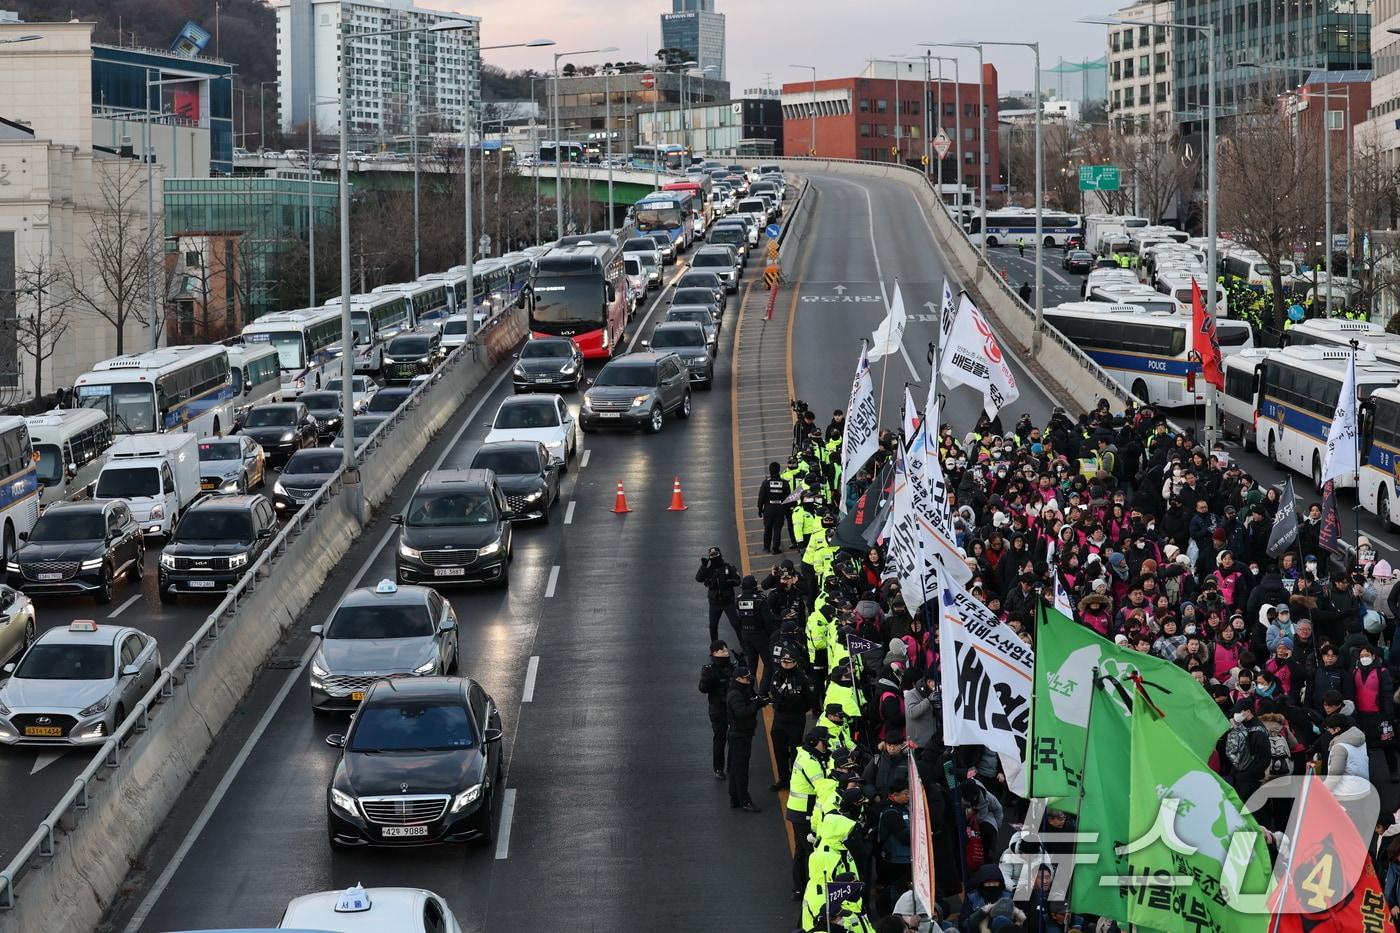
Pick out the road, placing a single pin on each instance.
(610, 809)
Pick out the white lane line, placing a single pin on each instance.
(124, 606)
(503, 833)
(879, 274)
(44, 759)
(553, 581)
(531, 673)
(583, 461)
(148, 903)
(569, 512)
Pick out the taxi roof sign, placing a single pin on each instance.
(354, 900)
(386, 586)
(82, 625)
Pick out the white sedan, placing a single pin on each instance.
(371, 910)
(543, 418)
(362, 389)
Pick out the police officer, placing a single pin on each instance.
(773, 507)
(1025, 292)
(742, 706)
(756, 624)
(714, 683)
(788, 640)
(719, 578)
(808, 767)
(792, 695)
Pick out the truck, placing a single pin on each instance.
(157, 475)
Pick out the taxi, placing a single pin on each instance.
(371, 910)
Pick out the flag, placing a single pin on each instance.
(947, 313)
(857, 645)
(889, 336)
(860, 528)
(920, 841)
(972, 357)
(1331, 528)
(902, 545)
(860, 436)
(1341, 456)
(1067, 655)
(1192, 838)
(985, 669)
(1061, 598)
(1103, 812)
(1207, 342)
(1285, 528)
(1327, 882)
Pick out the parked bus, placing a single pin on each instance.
(1238, 402)
(1335, 332)
(1012, 225)
(667, 158)
(19, 489)
(1146, 351)
(307, 344)
(581, 292)
(1250, 266)
(375, 319)
(454, 286)
(549, 151)
(667, 214)
(427, 301)
(171, 390)
(1380, 455)
(1298, 392)
(256, 373)
(70, 445)
(1177, 284)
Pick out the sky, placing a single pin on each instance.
(766, 36)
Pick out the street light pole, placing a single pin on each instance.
(981, 131)
(607, 131)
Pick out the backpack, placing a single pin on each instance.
(1280, 760)
(1238, 751)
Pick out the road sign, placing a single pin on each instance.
(1099, 178)
(485, 244)
(648, 80)
(1339, 242)
(941, 144)
(773, 249)
(772, 231)
(923, 160)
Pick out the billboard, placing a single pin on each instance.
(190, 42)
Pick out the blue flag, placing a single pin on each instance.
(857, 645)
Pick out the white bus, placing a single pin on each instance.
(1251, 267)
(70, 445)
(375, 319)
(256, 372)
(1139, 296)
(19, 488)
(171, 390)
(454, 286)
(1013, 225)
(1239, 400)
(427, 301)
(1380, 455)
(1177, 284)
(1335, 332)
(1146, 351)
(1298, 392)
(307, 344)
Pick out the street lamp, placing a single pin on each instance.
(1211, 181)
(981, 125)
(812, 149)
(558, 161)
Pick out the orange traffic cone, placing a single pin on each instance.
(620, 504)
(677, 500)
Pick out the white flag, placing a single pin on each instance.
(974, 358)
(985, 670)
(920, 842)
(1062, 603)
(1341, 436)
(889, 336)
(902, 546)
(937, 545)
(941, 514)
(860, 436)
(947, 313)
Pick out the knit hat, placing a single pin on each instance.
(1381, 570)
(750, 582)
(897, 649)
(1284, 642)
(1171, 550)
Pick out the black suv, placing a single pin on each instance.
(216, 541)
(412, 354)
(282, 428)
(79, 547)
(420, 765)
(456, 529)
(638, 391)
(387, 401)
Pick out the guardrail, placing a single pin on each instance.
(70, 809)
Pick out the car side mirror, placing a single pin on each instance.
(318, 630)
(645, 344)
(24, 536)
(612, 292)
(72, 470)
(515, 356)
(8, 669)
(336, 740)
(265, 533)
(131, 670)
(493, 735)
(588, 382)
(447, 625)
(396, 519)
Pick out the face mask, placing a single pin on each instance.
(1366, 661)
(1141, 545)
(1238, 718)
(1261, 689)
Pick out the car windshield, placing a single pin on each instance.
(364, 427)
(570, 299)
(729, 233)
(698, 280)
(69, 525)
(220, 450)
(692, 296)
(706, 260)
(664, 338)
(387, 400)
(431, 509)
(381, 621)
(412, 727)
(408, 346)
(216, 525)
(528, 415)
(627, 374)
(321, 401)
(271, 418)
(696, 316)
(454, 327)
(66, 662)
(507, 462)
(639, 244)
(128, 483)
(545, 350)
(313, 461)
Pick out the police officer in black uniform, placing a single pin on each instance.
(714, 683)
(720, 578)
(788, 640)
(756, 623)
(773, 507)
(793, 695)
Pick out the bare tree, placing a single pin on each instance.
(1160, 173)
(111, 277)
(38, 332)
(1374, 206)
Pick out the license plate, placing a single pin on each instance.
(202, 584)
(44, 732)
(542, 378)
(449, 571)
(609, 414)
(397, 832)
(206, 484)
(357, 695)
(50, 576)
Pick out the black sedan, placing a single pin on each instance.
(305, 473)
(554, 364)
(526, 475)
(282, 428)
(325, 407)
(1077, 260)
(698, 296)
(79, 547)
(420, 766)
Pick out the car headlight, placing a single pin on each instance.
(641, 400)
(237, 560)
(318, 666)
(4, 710)
(287, 436)
(229, 485)
(518, 372)
(466, 798)
(167, 561)
(95, 708)
(92, 564)
(343, 801)
(279, 489)
(428, 666)
(569, 369)
(406, 551)
(535, 496)
(489, 549)
(157, 511)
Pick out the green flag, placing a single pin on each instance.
(1103, 813)
(1195, 848)
(1065, 655)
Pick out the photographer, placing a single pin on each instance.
(720, 579)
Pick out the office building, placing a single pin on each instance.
(697, 30)
(740, 128)
(1381, 127)
(390, 76)
(1140, 70)
(584, 108)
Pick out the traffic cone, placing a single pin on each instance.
(677, 500)
(620, 504)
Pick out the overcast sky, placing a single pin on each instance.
(766, 36)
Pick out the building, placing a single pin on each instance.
(436, 72)
(1059, 111)
(744, 127)
(1140, 70)
(1382, 124)
(584, 107)
(854, 118)
(696, 29)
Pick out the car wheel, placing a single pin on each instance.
(31, 632)
(1317, 472)
(104, 591)
(658, 420)
(243, 486)
(1272, 455)
(684, 410)
(9, 547)
(504, 582)
(710, 379)
(1383, 509)
(1140, 391)
(488, 828)
(544, 512)
(138, 566)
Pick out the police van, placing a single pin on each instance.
(70, 445)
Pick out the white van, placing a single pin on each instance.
(71, 445)
(157, 475)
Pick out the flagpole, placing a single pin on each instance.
(1035, 679)
(1084, 759)
(1356, 448)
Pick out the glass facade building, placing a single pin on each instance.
(700, 33)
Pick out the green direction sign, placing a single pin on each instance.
(1099, 178)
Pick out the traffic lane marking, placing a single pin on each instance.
(569, 512)
(531, 673)
(124, 606)
(507, 815)
(553, 581)
(583, 460)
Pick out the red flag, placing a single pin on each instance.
(1329, 885)
(1206, 344)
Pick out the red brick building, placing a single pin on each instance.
(855, 118)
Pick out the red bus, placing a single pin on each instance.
(580, 292)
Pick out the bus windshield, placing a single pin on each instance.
(359, 325)
(574, 299)
(130, 407)
(289, 348)
(50, 466)
(658, 218)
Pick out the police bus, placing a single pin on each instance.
(256, 373)
(19, 488)
(1380, 455)
(427, 301)
(307, 344)
(454, 287)
(1238, 402)
(581, 293)
(69, 449)
(375, 319)
(1336, 332)
(175, 390)
(1015, 224)
(1250, 266)
(667, 214)
(666, 158)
